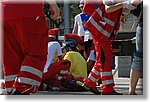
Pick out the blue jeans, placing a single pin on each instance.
(137, 63)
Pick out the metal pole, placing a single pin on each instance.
(66, 17)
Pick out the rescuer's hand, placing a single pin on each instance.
(55, 12)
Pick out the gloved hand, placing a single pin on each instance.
(128, 5)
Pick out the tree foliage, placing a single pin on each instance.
(73, 8)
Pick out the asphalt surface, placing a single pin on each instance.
(121, 86)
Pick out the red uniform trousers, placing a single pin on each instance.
(102, 25)
(103, 65)
(55, 73)
(24, 53)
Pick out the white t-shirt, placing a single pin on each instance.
(92, 56)
(54, 48)
(82, 31)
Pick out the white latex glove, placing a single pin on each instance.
(128, 5)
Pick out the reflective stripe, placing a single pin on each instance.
(110, 22)
(99, 12)
(9, 89)
(99, 27)
(64, 72)
(10, 78)
(107, 82)
(92, 78)
(31, 89)
(32, 70)
(95, 71)
(106, 74)
(28, 81)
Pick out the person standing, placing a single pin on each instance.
(103, 25)
(25, 44)
(137, 64)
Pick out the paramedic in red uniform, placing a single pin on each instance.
(103, 24)
(25, 44)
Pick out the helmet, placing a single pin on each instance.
(74, 37)
(71, 43)
(71, 40)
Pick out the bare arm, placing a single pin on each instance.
(135, 2)
(54, 9)
(113, 8)
(117, 5)
(112, 5)
(75, 28)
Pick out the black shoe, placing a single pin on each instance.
(93, 90)
(16, 92)
(112, 93)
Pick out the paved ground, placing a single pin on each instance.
(122, 85)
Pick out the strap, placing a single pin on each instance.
(118, 20)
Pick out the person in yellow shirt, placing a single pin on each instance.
(78, 68)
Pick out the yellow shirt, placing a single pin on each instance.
(78, 66)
